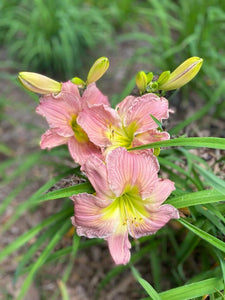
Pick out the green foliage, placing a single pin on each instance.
(188, 254)
(183, 29)
(52, 36)
(179, 30)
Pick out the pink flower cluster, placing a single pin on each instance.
(129, 194)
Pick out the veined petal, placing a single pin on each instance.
(96, 172)
(92, 95)
(88, 217)
(96, 122)
(80, 151)
(150, 136)
(161, 192)
(123, 106)
(69, 88)
(119, 247)
(127, 169)
(59, 111)
(51, 139)
(155, 221)
(141, 110)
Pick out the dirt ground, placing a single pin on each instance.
(91, 264)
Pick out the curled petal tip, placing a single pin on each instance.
(38, 83)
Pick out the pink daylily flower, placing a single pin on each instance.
(129, 125)
(61, 112)
(128, 200)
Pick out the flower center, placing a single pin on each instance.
(79, 133)
(121, 137)
(129, 207)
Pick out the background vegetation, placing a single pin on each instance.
(184, 260)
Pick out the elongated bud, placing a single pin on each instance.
(78, 81)
(183, 74)
(163, 77)
(149, 77)
(97, 70)
(38, 83)
(141, 81)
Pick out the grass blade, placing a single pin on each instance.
(21, 240)
(196, 198)
(209, 142)
(63, 290)
(200, 113)
(214, 181)
(204, 235)
(147, 286)
(66, 192)
(193, 290)
(119, 269)
(42, 258)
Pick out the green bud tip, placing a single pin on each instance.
(78, 81)
(141, 81)
(97, 70)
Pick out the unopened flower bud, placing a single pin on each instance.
(163, 77)
(156, 151)
(38, 83)
(149, 77)
(152, 87)
(78, 81)
(97, 70)
(141, 81)
(183, 74)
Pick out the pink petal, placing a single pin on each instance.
(96, 122)
(59, 109)
(59, 113)
(141, 110)
(80, 151)
(51, 139)
(69, 88)
(156, 220)
(131, 169)
(123, 107)
(161, 192)
(96, 172)
(149, 136)
(88, 217)
(92, 95)
(119, 246)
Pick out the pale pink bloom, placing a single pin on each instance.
(129, 125)
(61, 112)
(128, 200)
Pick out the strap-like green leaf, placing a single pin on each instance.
(209, 142)
(42, 258)
(66, 192)
(146, 285)
(214, 181)
(193, 290)
(21, 240)
(204, 235)
(196, 198)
